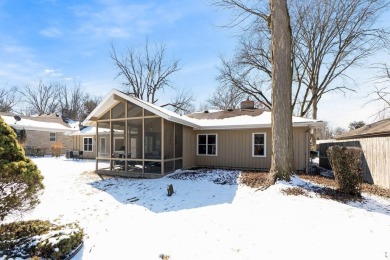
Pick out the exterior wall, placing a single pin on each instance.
(234, 149)
(189, 147)
(41, 139)
(376, 158)
(78, 145)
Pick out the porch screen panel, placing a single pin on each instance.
(169, 128)
(118, 111)
(134, 138)
(103, 138)
(133, 110)
(152, 140)
(118, 137)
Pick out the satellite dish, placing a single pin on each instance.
(17, 118)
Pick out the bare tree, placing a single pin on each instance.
(71, 100)
(182, 102)
(8, 99)
(90, 103)
(236, 75)
(327, 131)
(41, 98)
(225, 98)
(329, 37)
(281, 37)
(147, 72)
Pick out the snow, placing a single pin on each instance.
(203, 219)
(238, 122)
(29, 124)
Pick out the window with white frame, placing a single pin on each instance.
(258, 144)
(207, 144)
(52, 137)
(87, 144)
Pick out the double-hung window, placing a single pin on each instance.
(258, 144)
(207, 144)
(87, 141)
(52, 137)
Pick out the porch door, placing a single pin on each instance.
(103, 147)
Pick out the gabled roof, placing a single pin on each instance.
(48, 123)
(115, 96)
(380, 128)
(235, 119)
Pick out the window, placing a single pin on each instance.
(258, 141)
(87, 141)
(52, 137)
(207, 144)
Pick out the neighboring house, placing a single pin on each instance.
(43, 131)
(85, 141)
(137, 139)
(374, 140)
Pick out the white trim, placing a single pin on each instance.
(253, 144)
(88, 144)
(216, 144)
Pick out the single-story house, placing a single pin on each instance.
(43, 131)
(374, 140)
(137, 139)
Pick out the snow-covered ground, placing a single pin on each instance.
(135, 219)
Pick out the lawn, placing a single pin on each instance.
(211, 215)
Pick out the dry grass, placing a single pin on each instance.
(258, 180)
(331, 183)
(295, 191)
(254, 179)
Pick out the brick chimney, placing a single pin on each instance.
(248, 104)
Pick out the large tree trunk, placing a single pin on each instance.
(282, 150)
(314, 134)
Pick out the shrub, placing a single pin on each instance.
(39, 239)
(20, 179)
(346, 165)
(56, 149)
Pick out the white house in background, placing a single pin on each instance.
(42, 131)
(137, 139)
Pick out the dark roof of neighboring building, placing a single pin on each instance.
(206, 115)
(380, 128)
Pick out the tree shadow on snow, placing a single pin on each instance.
(366, 202)
(192, 189)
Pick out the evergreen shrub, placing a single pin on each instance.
(37, 239)
(346, 165)
(20, 179)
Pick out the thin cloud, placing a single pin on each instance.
(51, 32)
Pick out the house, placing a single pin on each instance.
(42, 131)
(374, 140)
(137, 139)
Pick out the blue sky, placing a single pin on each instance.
(70, 40)
(56, 40)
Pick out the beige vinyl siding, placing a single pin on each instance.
(42, 139)
(189, 147)
(78, 144)
(235, 149)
